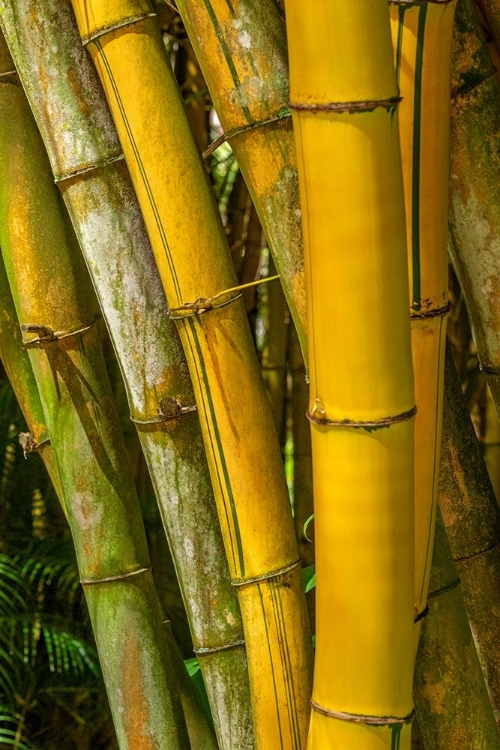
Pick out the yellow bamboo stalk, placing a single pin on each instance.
(422, 35)
(199, 279)
(344, 103)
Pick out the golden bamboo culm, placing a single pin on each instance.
(239, 435)
(422, 34)
(344, 101)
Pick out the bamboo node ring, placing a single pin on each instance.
(362, 106)
(205, 651)
(89, 168)
(371, 425)
(283, 114)
(437, 312)
(221, 299)
(168, 409)
(115, 26)
(118, 577)
(47, 335)
(362, 719)
(29, 444)
(265, 576)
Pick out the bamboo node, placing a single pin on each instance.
(204, 651)
(283, 114)
(437, 312)
(489, 370)
(221, 299)
(317, 415)
(129, 21)
(29, 444)
(362, 719)
(47, 335)
(110, 579)
(85, 170)
(363, 106)
(168, 409)
(265, 576)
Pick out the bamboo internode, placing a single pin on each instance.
(344, 101)
(194, 264)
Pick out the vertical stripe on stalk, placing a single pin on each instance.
(285, 659)
(205, 391)
(415, 212)
(399, 44)
(141, 168)
(428, 556)
(227, 54)
(272, 665)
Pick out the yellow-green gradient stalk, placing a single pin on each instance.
(344, 101)
(422, 35)
(240, 439)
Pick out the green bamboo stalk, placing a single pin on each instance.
(472, 517)
(475, 188)
(18, 367)
(198, 275)
(48, 284)
(451, 700)
(96, 188)
(241, 47)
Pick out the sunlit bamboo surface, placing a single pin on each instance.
(197, 274)
(344, 101)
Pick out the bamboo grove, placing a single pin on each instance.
(208, 346)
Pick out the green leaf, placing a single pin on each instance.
(308, 578)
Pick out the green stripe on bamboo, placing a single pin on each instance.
(240, 440)
(97, 190)
(49, 283)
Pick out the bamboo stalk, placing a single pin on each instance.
(241, 47)
(452, 705)
(96, 188)
(472, 518)
(422, 38)
(48, 284)
(475, 188)
(18, 367)
(344, 103)
(491, 443)
(197, 273)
